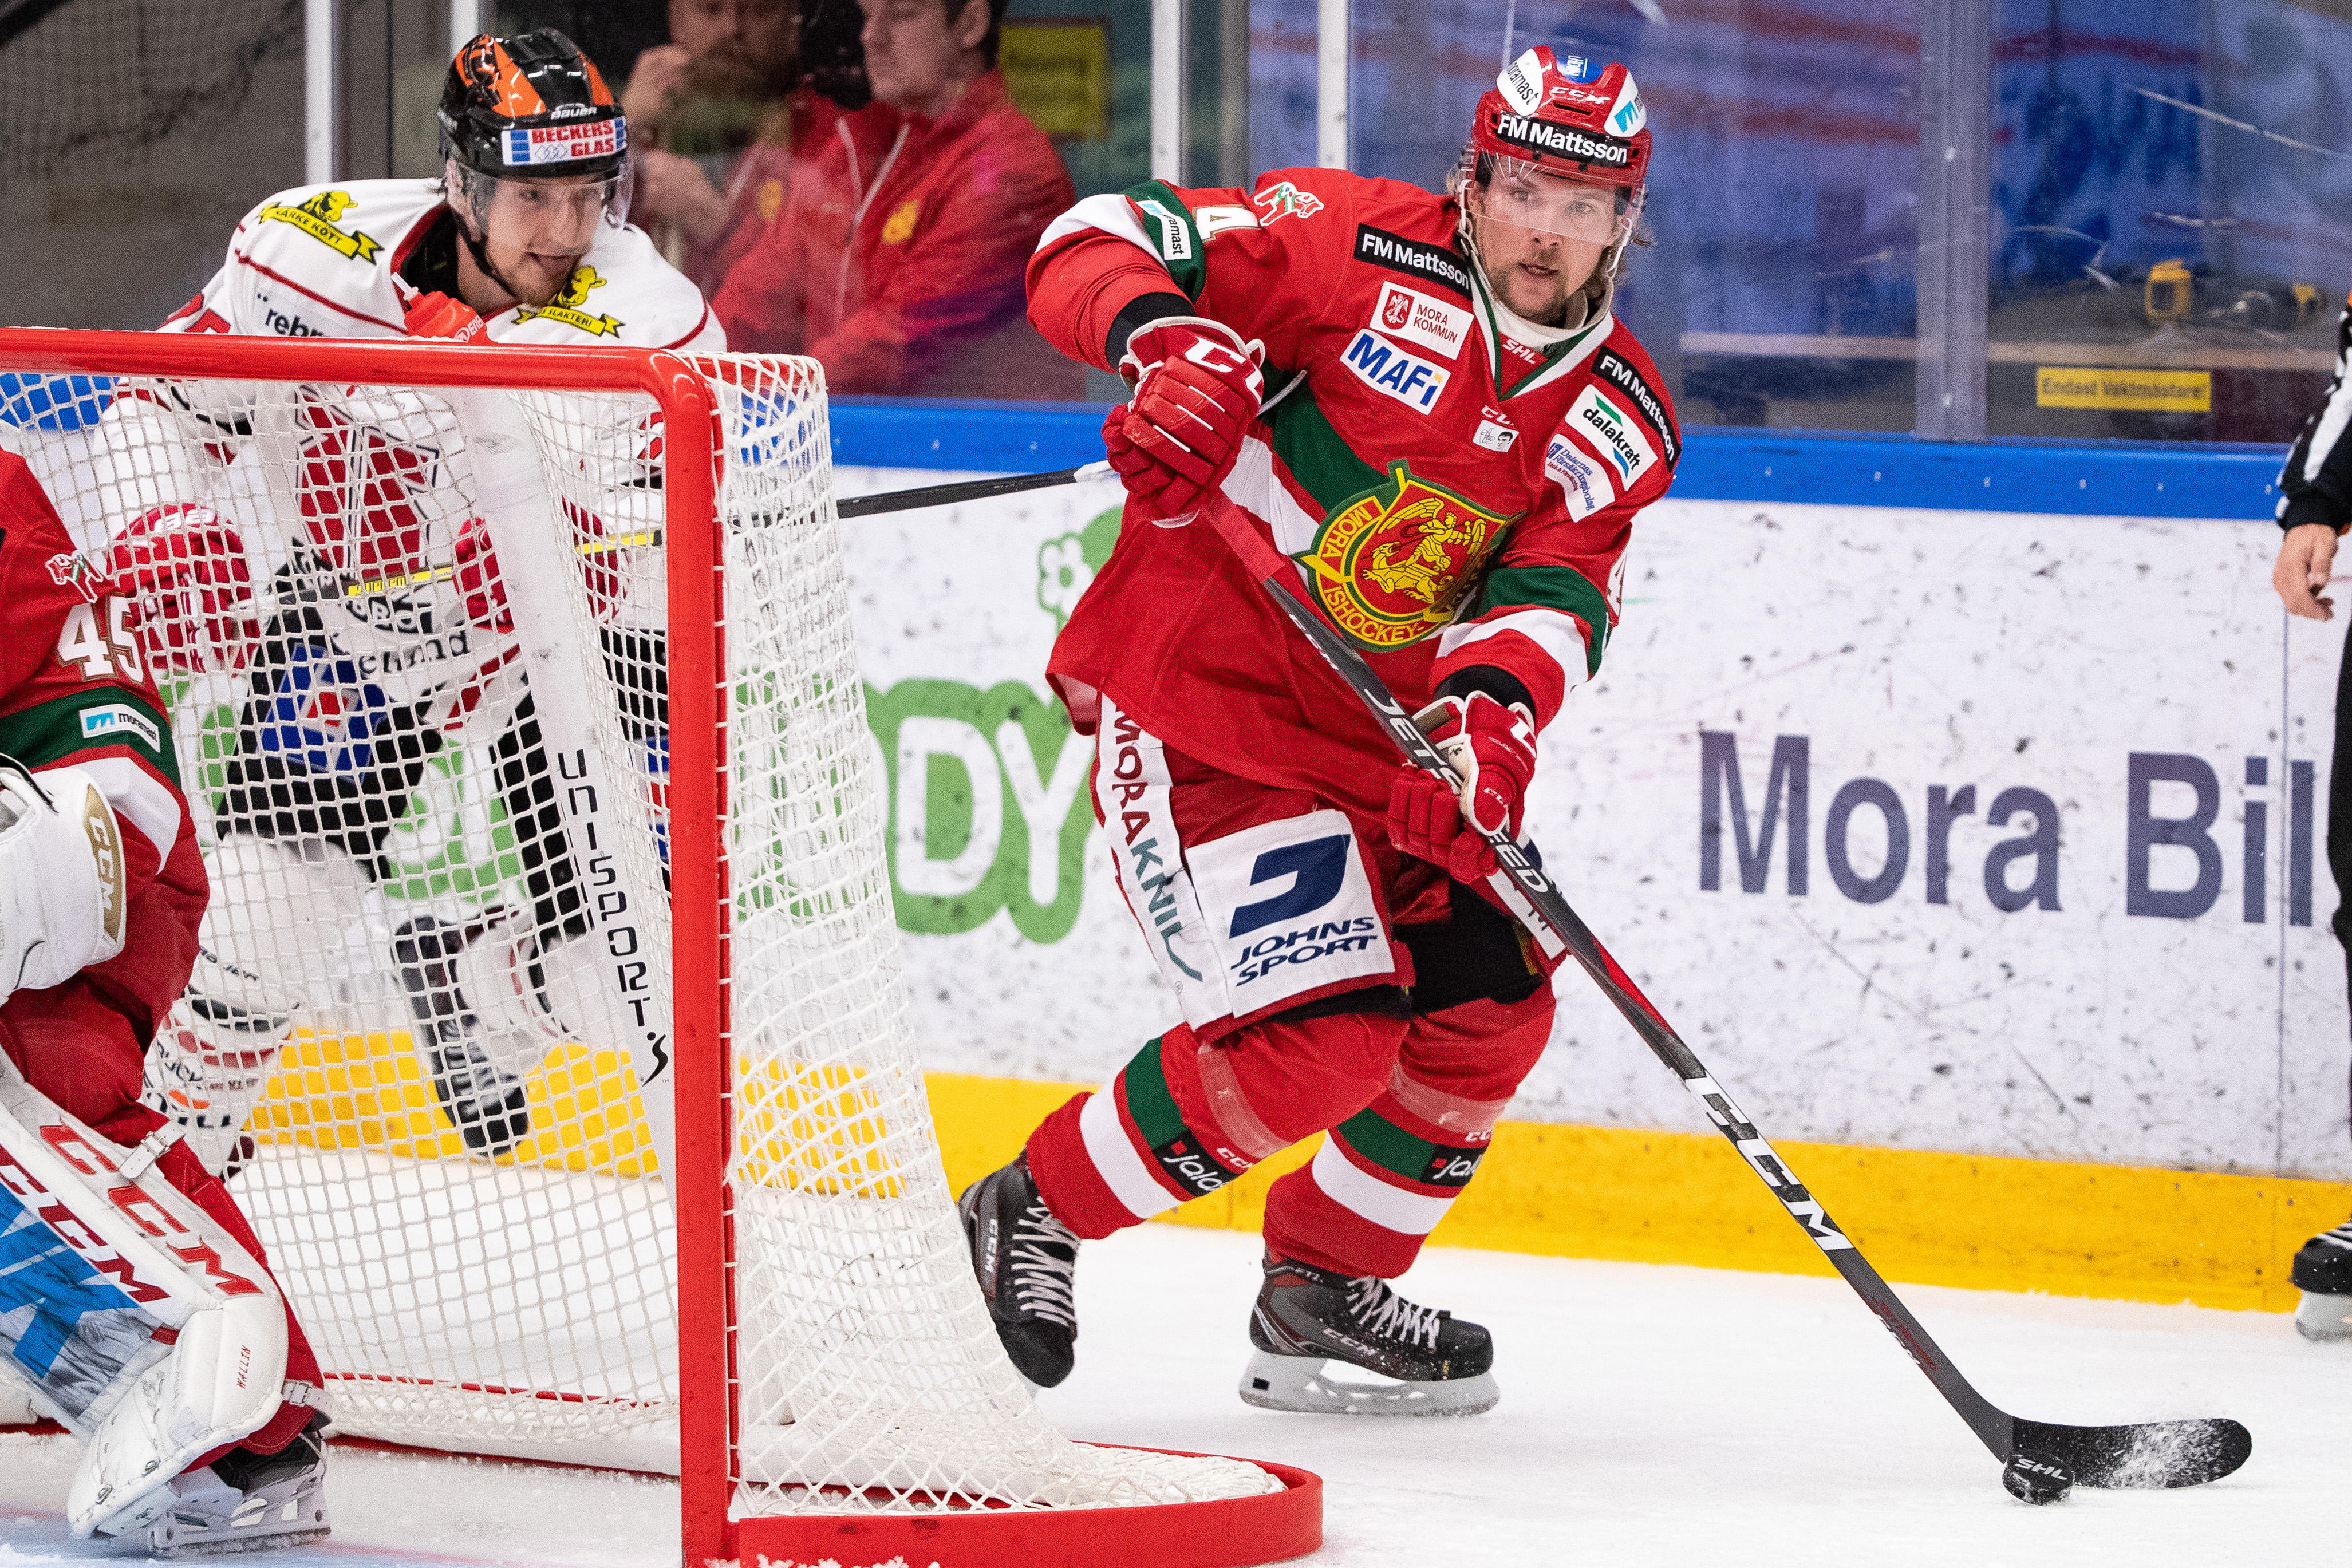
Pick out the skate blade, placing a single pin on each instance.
(1318, 1387)
(287, 1514)
(2324, 1317)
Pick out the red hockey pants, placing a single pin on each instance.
(84, 1056)
(1260, 904)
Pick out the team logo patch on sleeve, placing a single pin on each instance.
(318, 217)
(1393, 372)
(1580, 479)
(1285, 200)
(110, 722)
(1602, 420)
(1618, 372)
(1392, 564)
(568, 305)
(1415, 258)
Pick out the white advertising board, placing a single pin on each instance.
(1985, 831)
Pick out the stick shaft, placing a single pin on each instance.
(968, 490)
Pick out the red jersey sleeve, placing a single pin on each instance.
(1235, 254)
(74, 692)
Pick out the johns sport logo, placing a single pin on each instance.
(1390, 372)
(1315, 871)
(1604, 425)
(1290, 910)
(116, 720)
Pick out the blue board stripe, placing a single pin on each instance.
(1719, 464)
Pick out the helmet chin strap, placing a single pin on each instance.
(476, 247)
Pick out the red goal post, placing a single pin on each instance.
(789, 1476)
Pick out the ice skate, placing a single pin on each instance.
(1025, 1259)
(2322, 1272)
(483, 1097)
(1336, 1344)
(245, 1501)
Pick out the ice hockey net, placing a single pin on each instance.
(515, 696)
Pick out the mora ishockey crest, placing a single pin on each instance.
(1392, 564)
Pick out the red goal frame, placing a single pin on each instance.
(1214, 1535)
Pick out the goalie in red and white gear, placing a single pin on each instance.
(137, 1309)
(1425, 402)
(311, 555)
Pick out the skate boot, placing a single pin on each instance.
(1313, 1327)
(1026, 1260)
(245, 1501)
(2322, 1272)
(483, 1097)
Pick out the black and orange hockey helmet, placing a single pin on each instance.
(531, 107)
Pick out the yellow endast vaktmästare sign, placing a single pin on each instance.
(2106, 386)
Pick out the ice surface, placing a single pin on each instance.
(1650, 1416)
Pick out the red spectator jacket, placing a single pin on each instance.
(756, 186)
(897, 261)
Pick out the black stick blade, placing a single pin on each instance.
(2151, 1454)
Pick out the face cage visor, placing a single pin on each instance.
(1516, 192)
(553, 214)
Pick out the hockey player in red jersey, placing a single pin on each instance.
(99, 912)
(1425, 402)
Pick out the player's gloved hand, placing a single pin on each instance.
(1197, 387)
(191, 588)
(484, 586)
(1491, 748)
(438, 314)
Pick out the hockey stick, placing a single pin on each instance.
(2149, 1454)
(970, 490)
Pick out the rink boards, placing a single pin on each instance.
(1990, 833)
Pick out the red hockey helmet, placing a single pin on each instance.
(1570, 118)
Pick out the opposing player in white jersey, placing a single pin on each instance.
(321, 542)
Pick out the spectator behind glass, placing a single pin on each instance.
(716, 121)
(897, 258)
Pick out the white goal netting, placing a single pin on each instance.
(418, 655)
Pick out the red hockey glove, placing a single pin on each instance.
(1492, 750)
(439, 315)
(1197, 387)
(484, 586)
(191, 588)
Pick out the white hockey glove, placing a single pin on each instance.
(64, 885)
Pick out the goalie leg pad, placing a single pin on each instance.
(194, 1355)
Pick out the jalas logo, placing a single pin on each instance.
(1392, 564)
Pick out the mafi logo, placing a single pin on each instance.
(1285, 200)
(568, 305)
(319, 217)
(1392, 564)
(1390, 372)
